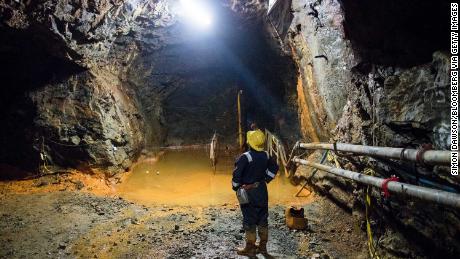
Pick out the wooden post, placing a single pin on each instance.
(240, 120)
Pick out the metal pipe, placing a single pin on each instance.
(312, 174)
(433, 157)
(438, 196)
(423, 179)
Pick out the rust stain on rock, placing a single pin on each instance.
(307, 128)
(312, 115)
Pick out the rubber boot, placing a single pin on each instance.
(263, 235)
(250, 248)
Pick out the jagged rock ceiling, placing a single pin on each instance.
(135, 75)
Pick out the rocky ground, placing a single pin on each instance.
(60, 223)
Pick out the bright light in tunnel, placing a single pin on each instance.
(195, 12)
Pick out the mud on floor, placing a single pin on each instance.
(72, 224)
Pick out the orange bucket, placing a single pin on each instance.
(295, 218)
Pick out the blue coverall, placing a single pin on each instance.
(251, 167)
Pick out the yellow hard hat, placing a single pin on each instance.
(256, 139)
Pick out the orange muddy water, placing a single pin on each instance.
(186, 178)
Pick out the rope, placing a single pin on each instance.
(401, 156)
(43, 158)
(370, 240)
(369, 171)
(333, 158)
(423, 148)
(339, 153)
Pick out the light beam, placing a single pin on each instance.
(196, 13)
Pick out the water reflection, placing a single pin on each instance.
(187, 178)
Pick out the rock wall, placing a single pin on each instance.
(366, 78)
(65, 102)
(325, 60)
(88, 121)
(86, 83)
(91, 83)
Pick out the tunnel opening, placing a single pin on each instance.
(190, 89)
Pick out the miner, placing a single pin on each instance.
(253, 170)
